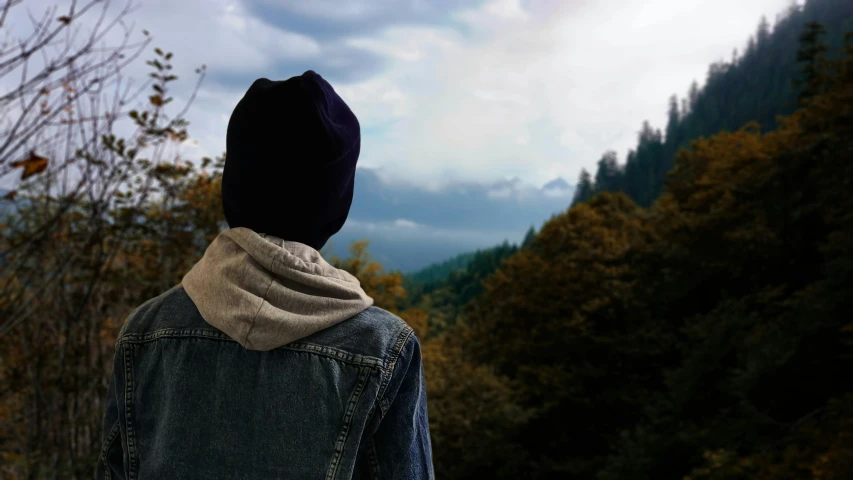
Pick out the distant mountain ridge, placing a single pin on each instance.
(506, 204)
(557, 184)
(411, 227)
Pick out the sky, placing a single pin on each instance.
(455, 90)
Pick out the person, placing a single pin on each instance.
(267, 362)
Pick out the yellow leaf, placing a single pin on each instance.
(32, 165)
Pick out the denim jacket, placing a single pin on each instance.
(255, 367)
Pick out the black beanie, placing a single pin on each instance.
(291, 150)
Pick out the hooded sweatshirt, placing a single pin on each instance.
(265, 292)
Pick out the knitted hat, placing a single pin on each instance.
(291, 150)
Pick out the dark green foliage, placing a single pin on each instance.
(528, 237)
(608, 176)
(440, 271)
(811, 56)
(584, 189)
(447, 296)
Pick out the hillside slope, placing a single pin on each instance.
(755, 85)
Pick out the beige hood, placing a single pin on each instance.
(265, 292)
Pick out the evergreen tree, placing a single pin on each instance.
(693, 95)
(762, 36)
(811, 56)
(751, 48)
(608, 177)
(528, 237)
(673, 119)
(584, 189)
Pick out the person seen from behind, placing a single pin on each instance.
(267, 362)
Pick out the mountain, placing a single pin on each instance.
(558, 188)
(756, 85)
(410, 227)
(557, 184)
(502, 205)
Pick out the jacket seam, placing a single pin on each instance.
(373, 461)
(108, 444)
(340, 445)
(128, 411)
(331, 352)
(396, 351)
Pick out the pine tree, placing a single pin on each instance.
(529, 237)
(584, 189)
(751, 48)
(693, 95)
(763, 33)
(673, 120)
(608, 177)
(811, 56)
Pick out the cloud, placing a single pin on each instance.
(504, 192)
(335, 19)
(543, 89)
(558, 193)
(451, 90)
(403, 223)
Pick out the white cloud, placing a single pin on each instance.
(330, 9)
(548, 94)
(403, 223)
(504, 192)
(405, 43)
(537, 89)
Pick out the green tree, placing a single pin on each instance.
(529, 237)
(812, 58)
(608, 176)
(584, 188)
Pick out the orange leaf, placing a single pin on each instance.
(156, 100)
(32, 165)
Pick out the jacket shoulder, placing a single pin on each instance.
(171, 309)
(374, 332)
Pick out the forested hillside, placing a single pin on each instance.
(754, 85)
(706, 337)
(757, 84)
(441, 270)
(451, 289)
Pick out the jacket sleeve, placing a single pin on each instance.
(400, 448)
(111, 457)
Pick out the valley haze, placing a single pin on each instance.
(411, 226)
